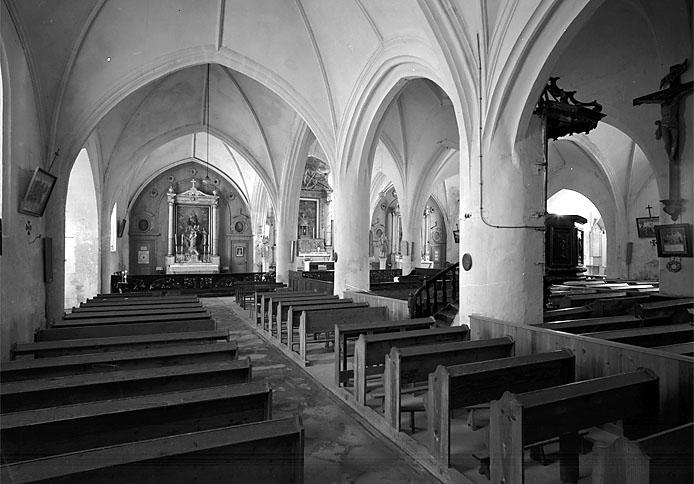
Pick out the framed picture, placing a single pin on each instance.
(674, 240)
(37, 193)
(238, 251)
(646, 227)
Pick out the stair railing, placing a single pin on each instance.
(434, 293)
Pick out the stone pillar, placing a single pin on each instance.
(285, 233)
(171, 197)
(505, 280)
(352, 219)
(215, 231)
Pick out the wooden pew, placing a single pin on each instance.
(566, 313)
(617, 306)
(583, 299)
(675, 309)
(33, 434)
(685, 349)
(370, 350)
(91, 319)
(65, 390)
(585, 325)
(287, 309)
(142, 299)
(345, 332)
(126, 312)
(521, 419)
(116, 360)
(122, 294)
(649, 336)
(277, 303)
(266, 297)
(129, 329)
(270, 451)
(44, 349)
(112, 307)
(412, 365)
(243, 292)
(314, 321)
(258, 296)
(465, 385)
(662, 458)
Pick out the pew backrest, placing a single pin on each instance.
(128, 329)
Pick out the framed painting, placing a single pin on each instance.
(645, 227)
(674, 240)
(36, 196)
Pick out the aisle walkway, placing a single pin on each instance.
(338, 449)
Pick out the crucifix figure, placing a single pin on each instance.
(669, 96)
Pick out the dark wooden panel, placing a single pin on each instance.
(129, 329)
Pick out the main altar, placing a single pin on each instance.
(192, 237)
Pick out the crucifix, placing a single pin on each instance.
(669, 96)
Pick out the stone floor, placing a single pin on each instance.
(338, 449)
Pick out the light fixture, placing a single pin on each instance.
(206, 122)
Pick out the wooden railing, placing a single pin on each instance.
(187, 283)
(435, 293)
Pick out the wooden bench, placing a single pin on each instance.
(278, 305)
(583, 299)
(370, 350)
(129, 329)
(267, 297)
(662, 458)
(243, 292)
(127, 312)
(617, 306)
(466, 385)
(258, 296)
(685, 349)
(33, 434)
(649, 336)
(345, 332)
(43, 349)
(116, 360)
(91, 319)
(129, 307)
(566, 313)
(270, 451)
(521, 419)
(141, 299)
(674, 309)
(122, 294)
(315, 321)
(411, 366)
(65, 390)
(286, 311)
(585, 325)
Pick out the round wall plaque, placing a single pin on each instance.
(238, 226)
(143, 225)
(467, 261)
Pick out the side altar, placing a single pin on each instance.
(192, 237)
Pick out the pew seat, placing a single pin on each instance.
(26, 369)
(270, 451)
(43, 349)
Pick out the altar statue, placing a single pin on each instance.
(194, 236)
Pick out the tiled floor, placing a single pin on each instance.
(338, 449)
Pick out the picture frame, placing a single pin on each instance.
(645, 226)
(674, 240)
(37, 193)
(238, 251)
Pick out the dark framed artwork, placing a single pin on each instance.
(36, 196)
(674, 240)
(646, 227)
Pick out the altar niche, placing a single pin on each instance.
(192, 231)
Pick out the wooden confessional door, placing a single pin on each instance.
(239, 256)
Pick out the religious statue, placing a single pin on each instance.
(193, 236)
(669, 96)
(383, 245)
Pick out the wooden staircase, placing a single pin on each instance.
(438, 296)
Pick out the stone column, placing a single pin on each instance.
(505, 280)
(285, 232)
(171, 197)
(215, 231)
(352, 219)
